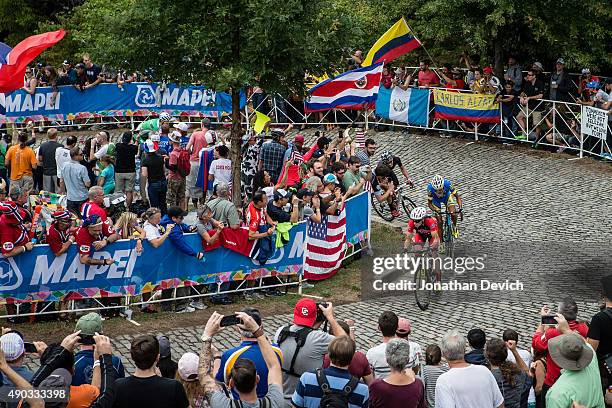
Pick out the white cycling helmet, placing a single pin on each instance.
(386, 157)
(165, 117)
(418, 213)
(437, 182)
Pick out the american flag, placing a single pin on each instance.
(325, 246)
(296, 155)
(360, 138)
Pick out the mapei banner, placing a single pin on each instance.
(468, 107)
(40, 275)
(110, 100)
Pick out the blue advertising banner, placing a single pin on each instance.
(40, 275)
(109, 99)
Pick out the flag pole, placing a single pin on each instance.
(427, 52)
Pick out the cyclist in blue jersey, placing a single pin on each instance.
(441, 191)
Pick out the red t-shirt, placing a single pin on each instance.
(255, 217)
(540, 342)
(359, 367)
(90, 208)
(428, 78)
(385, 395)
(84, 239)
(56, 238)
(197, 142)
(428, 226)
(11, 235)
(173, 160)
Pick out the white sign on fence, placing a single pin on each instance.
(594, 122)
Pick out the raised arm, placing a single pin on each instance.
(275, 374)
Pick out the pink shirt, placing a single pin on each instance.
(197, 142)
(173, 159)
(428, 78)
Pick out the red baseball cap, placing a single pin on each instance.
(305, 313)
(299, 138)
(487, 70)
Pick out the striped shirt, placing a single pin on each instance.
(308, 393)
(363, 157)
(430, 376)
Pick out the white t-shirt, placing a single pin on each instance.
(222, 170)
(378, 360)
(62, 156)
(151, 230)
(527, 358)
(469, 387)
(101, 151)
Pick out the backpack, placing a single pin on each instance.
(263, 403)
(300, 340)
(183, 165)
(335, 398)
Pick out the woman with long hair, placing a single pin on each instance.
(106, 179)
(127, 227)
(509, 376)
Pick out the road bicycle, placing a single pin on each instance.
(383, 209)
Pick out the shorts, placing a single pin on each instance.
(25, 183)
(124, 182)
(176, 191)
(535, 117)
(420, 239)
(192, 177)
(448, 199)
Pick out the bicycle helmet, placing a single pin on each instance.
(386, 157)
(165, 117)
(438, 182)
(418, 213)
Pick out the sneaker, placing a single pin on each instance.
(274, 293)
(520, 136)
(306, 285)
(258, 295)
(198, 305)
(187, 309)
(606, 156)
(248, 296)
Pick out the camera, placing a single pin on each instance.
(320, 316)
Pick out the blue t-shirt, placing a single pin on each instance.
(308, 393)
(251, 351)
(109, 178)
(83, 367)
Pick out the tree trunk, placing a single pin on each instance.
(236, 142)
(498, 58)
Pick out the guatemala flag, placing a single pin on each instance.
(410, 106)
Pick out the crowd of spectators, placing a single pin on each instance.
(313, 361)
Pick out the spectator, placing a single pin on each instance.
(387, 324)
(401, 388)
(251, 147)
(248, 349)
(14, 236)
(477, 340)
(538, 69)
(359, 366)
(3, 169)
(17, 381)
(80, 81)
(152, 175)
(127, 228)
(76, 181)
(94, 205)
(514, 73)
(492, 84)
(2, 189)
(579, 382)
(338, 169)
(125, 168)
(60, 237)
(431, 371)
(416, 353)
(106, 179)
(334, 383)
(427, 77)
(510, 337)
(30, 82)
(354, 178)
(100, 147)
(167, 366)
(223, 209)
(569, 309)
(175, 217)
(387, 77)
(508, 99)
(510, 377)
(206, 223)
(67, 74)
(221, 167)
(533, 89)
(197, 142)
(244, 374)
(366, 154)
(309, 206)
(22, 162)
(187, 375)
(538, 372)
(272, 153)
(464, 385)
(145, 388)
(90, 325)
(600, 333)
(560, 83)
(92, 72)
(276, 208)
(13, 347)
(302, 344)
(177, 174)
(94, 234)
(62, 156)
(263, 181)
(46, 159)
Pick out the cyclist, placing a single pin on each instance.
(422, 228)
(155, 125)
(383, 187)
(441, 191)
(390, 160)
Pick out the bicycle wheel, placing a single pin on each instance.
(382, 209)
(407, 204)
(421, 293)
(449, 239)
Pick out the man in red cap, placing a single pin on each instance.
(92, 236)
(304, 346)
(14, 236)
(60, 237)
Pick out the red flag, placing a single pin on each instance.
(17, 59)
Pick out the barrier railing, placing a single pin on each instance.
(42, 279)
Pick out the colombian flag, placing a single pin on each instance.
(468, 107)
(397, 41)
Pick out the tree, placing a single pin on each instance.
(223, 44)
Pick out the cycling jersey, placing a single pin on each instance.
(448, 196)
(423, 232)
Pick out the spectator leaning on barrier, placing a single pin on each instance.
(60, 237)
(175, 162)
(387, 324)
(309, 206)
(514, 73)
(464, 385)
(14, 236)
(22, 161)
(92, 236)
(145, 388)
(46, 159)
(427, 77)
(92, 72)
(275, 209)
(125, 167)
(302, 344)
(89, 326)
(600, 334)
(62, 156)
(533, 89)
(76, 181)
(66, 74)
(223, 209)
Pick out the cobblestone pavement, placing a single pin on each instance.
(536, 217)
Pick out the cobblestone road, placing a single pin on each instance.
(538, 218)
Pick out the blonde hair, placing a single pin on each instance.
(123, 224)
(193, 389)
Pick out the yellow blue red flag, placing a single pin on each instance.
(397, 41)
